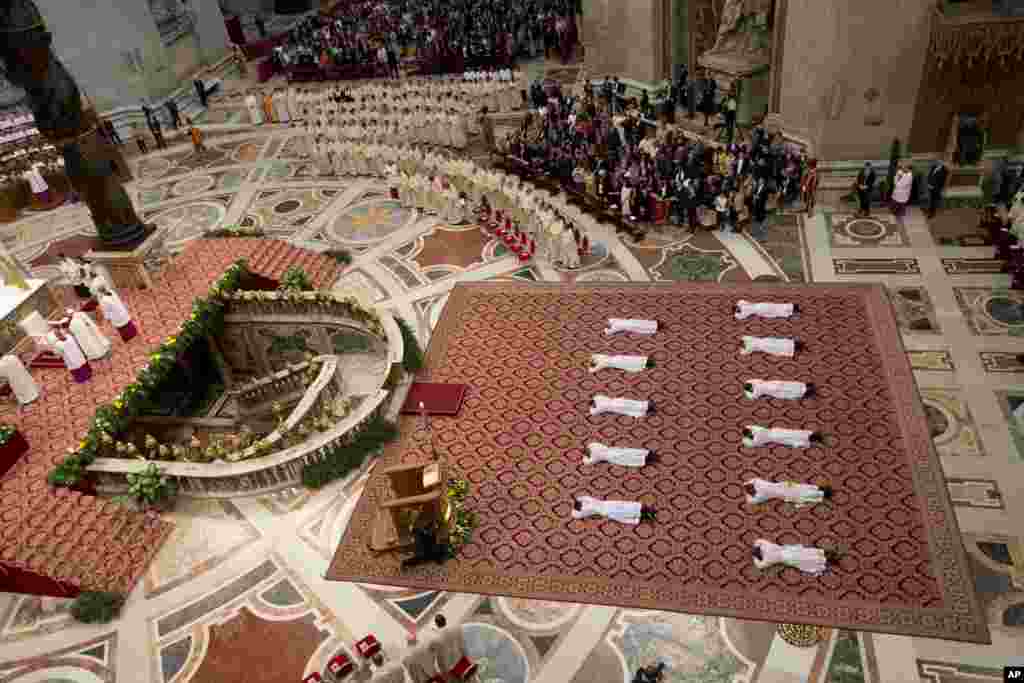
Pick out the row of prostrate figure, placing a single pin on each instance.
(765, 553)
(76, 338)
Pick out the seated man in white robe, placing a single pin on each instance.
(754, 436)
(626, 457)
(68, 349)
(759, 388)
(22, 385)
(599, 361)
(773, 346)
(446, 644)
(745, 309)
(621, 406)
(761, 491)
(627, 512)
(616, 325)
(94, 343)
(808, 560)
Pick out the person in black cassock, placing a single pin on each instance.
(864, 186)
(172, 111)
(936, 185)
(428, 549)
(652, 673)
(200, 91)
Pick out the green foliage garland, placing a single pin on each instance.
(6, 432)
(412, 356)
(206, 319)
(342, 257)
(233, 231)
(96, 607)
(295, 280)
(345, 458)
(463, 520)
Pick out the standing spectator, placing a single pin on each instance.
(393, 63)
(707, 101)
(148, 113)
(759, 210)
(865, 185)
(809, 186)
(112, 133)
(936, 185)
(140, 138)
(172, 111)
(196, 135)
(729, 112)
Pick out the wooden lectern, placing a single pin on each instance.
(421, 494)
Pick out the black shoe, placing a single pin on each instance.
(650, 409)
(796, 309)
(652, 457)
(809, 391)
(798, 346)
(817, 439)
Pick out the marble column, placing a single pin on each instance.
(210, 30)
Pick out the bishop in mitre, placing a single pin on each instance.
(68, 349)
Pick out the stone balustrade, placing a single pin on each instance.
(270, 388)
(281, 469)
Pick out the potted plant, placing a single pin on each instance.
(12, 447)
(150, 489)
(97, 607)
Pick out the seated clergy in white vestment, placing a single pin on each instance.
(616, 325)
(627, 512)
(93, 342)
(808, 560)
(774, 346)
(761, 491)
(599, 361)
(447, 645)
(22, 385)
(745, 309)
(627, 457)
(759, 388)
(622, 406)
(421, 663)
(754, 436)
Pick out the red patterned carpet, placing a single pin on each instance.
(520, 438)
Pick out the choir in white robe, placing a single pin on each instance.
(800, 494)
(774, 346)
(599, 361)
(627, 512)
(280, 101)
(616, 325)
(22, 385)
(765, 436)
(627, 457)
(116, 313)
(92, 341)
(745, 309)
(621, 406)
(775, 389)
(806, 559)
(255, 109)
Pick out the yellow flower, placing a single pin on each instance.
(81, 445)
(118, 403)
(171, 339)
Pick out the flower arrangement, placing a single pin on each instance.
(295, 280)
(149, 487)
(206, 318)
(97, 607)
(6, 432)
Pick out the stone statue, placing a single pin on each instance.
(56, 104)
(743, 28)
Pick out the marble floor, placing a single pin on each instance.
(237, 593)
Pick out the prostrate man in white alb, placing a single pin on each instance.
(809, 560)
(773, 346)
(616, 325)
(599, 361)
(627, 512)
(621, 406)
(761, 491)
(745, 309)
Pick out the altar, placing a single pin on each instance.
(16, 303)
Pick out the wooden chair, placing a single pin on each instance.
(418, 490)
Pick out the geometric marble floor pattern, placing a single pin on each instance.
(237, 592)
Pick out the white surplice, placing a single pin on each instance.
(801, 494)
(622, 406)
(616, 325)
(745, 309)
(627, 457)
(806, 559)
(18, 378)
(446, 644)
(765, 436)
(627, 512)
(89, 337)
(599, 361)
(774, 346)
(114, 310)
(255, 109)
(775, 389)
(68, 349)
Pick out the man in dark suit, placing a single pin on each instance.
(172, 111)
(157, 131)
(865, 186)
(200, 90)
(759, 210)
(936, 185)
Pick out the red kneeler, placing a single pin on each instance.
(463, 669)
(313, 678)
(340, 666)
(368, 646)
(436, 679)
